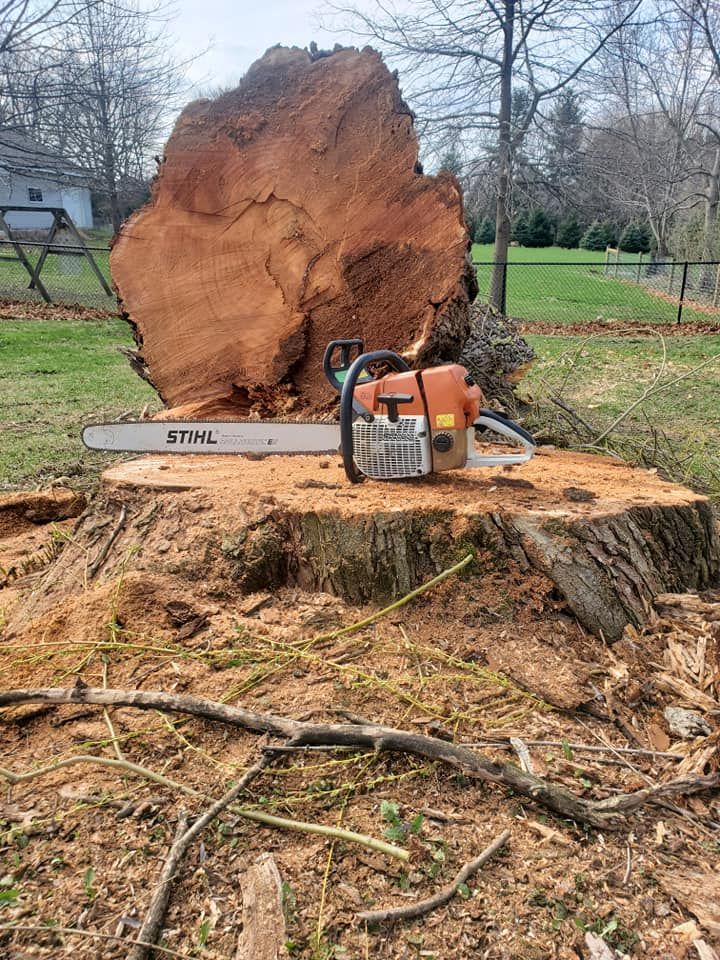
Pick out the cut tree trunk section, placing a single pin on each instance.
(605, 538)
(289, 212)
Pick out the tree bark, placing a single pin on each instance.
(502, 203)
(608, 537)
(287, 213)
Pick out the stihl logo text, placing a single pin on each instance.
(190, 436)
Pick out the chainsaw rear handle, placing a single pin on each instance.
(350, 350)
(349, 410)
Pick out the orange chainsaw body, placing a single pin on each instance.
(445, 396)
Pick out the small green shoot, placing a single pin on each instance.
(90, 891)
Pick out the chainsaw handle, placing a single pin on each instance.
(336, 375)
(349, 410)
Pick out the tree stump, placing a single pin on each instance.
(286, 213)
(607, 537)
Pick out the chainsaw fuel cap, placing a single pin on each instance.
(442, 442)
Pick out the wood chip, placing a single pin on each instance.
(263, 932)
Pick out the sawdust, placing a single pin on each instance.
(610, 484)
(479, 660)
(21, 511)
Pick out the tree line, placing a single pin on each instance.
(601, 117)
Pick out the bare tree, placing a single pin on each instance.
(462, 60)
(24, 22)
(107, 96)
(653, 148)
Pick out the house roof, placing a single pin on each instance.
(21, 155)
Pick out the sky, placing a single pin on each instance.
(239, 31)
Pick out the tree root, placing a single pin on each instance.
(603, 814)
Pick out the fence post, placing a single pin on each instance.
(682, 292)
(639, 267)
(607, 259)
(672, 277)
(717, 286)
(617, 260)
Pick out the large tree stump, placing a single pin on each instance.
(289, 212)
(605, 537)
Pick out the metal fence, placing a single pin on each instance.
(632, 290)
(609, 289)
(57, 273)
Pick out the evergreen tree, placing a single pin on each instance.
(519, 231)
(539, 230)
(565, 132)
(485, 233)
(612, 232)
(452, 161)
(635, 239)
(595, 237)
(569, 233)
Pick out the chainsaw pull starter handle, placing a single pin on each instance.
(356, 374)
(350, 350)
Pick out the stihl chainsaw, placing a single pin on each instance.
(401, 424)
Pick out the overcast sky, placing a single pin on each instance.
(239, 31)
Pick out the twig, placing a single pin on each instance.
(580, 747)
(269, 819)
(100, 558)
(154, 918)
(421, 907)
(604, 813)
(628, 866)
(106, 714)
(573, 414)
(423, 588)
(38, 928)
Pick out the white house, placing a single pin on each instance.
(33, 176)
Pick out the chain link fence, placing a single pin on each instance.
(610, 290)
(65, 274)
(632, 291)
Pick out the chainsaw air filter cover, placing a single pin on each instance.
(390, 451)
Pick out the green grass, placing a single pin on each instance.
(56, 375)
(572, 293)
(677, 427)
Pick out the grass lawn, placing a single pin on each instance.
(56, 375)
(601, 377)
(571, 291)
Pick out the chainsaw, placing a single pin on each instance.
(396, 425)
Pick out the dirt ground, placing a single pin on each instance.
(480, 659)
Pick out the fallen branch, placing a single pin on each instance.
(604, 813)
(269, 819)
(152, 925)
(421, 907)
